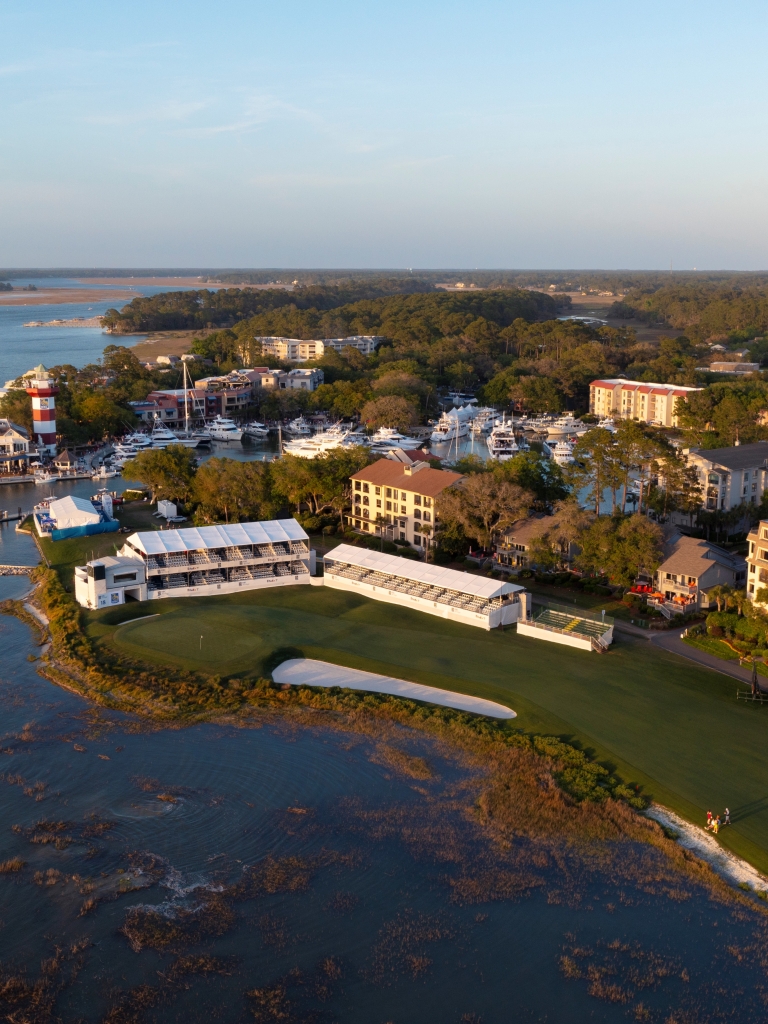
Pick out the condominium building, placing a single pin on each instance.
(636, 400)
(731, 476)
(298, 350)
(757, 561)
(398, 500)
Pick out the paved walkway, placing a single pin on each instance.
(309, 672)
(671, 642)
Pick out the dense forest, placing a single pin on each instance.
(308, 310)
(705, 311)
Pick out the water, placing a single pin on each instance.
(21, 347)
(390, 913)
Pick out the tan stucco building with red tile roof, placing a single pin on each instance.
(636, 400)
(398, 500)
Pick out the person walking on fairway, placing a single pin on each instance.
(727, 817)
(709, 819)
(716, 825)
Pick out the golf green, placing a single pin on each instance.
(664, 723)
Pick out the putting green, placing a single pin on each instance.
(666, 723)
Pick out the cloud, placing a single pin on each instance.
(172, 110)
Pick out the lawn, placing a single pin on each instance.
(667, 724)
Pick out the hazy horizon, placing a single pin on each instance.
(418, 135)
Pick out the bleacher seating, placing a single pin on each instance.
(214, 576)
(298, 567)
(199, 557)
(298, 547)
(281, 547)
(263, 550)
(175, 580)
(411, 588)
(282, 569)
(260, 572)
(567, 623)
(155, 583)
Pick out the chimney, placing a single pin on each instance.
(408, 469)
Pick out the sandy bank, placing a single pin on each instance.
(59, 296)
(309, 672)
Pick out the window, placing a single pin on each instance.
(427, 517)
(394, 495)
(358, 485)
(417, 527)
(378, 503)
(402, 510)
(389, 505)
(377, 490)
(402, 535)
(366, 500)
(428, 503)
(402, 523)
(389, 493)
(417, 513)
(126, 577)
(417, 499)
(366, 513)
(366, 488)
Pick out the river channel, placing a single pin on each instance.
(285, 871)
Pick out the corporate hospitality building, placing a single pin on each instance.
(636, 400)
(458, 596)
(198, 562)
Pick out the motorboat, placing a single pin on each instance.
(137, 441)
(105, 474)
(256, 431)
(566, 424)
(607, 424)
(561, 453)
(311, 447)
(162, 437)
(483, 420)
(298, 428)
(386, 439)
(501, 442)
(539, 424)
(46, 476)
(223, 429)
(450, 427)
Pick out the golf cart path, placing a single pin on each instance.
(309, 672)
(672, 642)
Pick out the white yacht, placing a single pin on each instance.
(607, 424)
(256, 431)
(450, 427)
(501, 442)
(483, 420)
(162, 437)
(566, 424)
(311, 447)
(561, 453)
(222, 429)
(539, 423)
(137, 441)
(386, 439)
(298, 428)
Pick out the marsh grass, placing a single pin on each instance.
(25, 1000)
(12, 866)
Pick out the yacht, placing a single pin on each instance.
(386, 439)
(256, 431)
(137, 441)
(501, 442)
(162, 437)
(566, 425)
(46, 476)
(450, 427)
(222, 429)
(607, 424)
(311, 447)
(483, 421)
(298, 428)
(561, 453)
(538, 424)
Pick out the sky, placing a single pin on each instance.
(418, 134)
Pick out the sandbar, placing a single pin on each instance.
(309, 672)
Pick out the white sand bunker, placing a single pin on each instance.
(696, 839)
(308, 672)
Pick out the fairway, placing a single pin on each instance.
(667, 724)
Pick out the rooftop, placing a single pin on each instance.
(614, 381)
(420, 572)
(692, 557)
(742, 456)
(161, 542)
(424, 480)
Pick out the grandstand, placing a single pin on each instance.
(572, 626)
(458, 596)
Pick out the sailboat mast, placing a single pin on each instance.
(186, 402)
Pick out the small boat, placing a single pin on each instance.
(223, 429)
(256, 431)
(607, 424)
(46, 476)
(105, 474)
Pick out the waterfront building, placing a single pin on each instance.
(43, 391)
(206, 560)
(298, 350)
(515, 548)
(757, 561)
(636, 400)
(14, 448)
(398, 500)
(456, 596)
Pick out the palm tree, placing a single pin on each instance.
(737, 599)
(720, 594)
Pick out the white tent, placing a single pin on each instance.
(70, 511)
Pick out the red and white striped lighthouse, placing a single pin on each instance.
(43, 391)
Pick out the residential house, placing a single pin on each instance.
(514, 547)
(691, 568)
(636, 400)
(410, 456)
(731, 476)
(303, 380)
(14, 448)
(397, 500)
